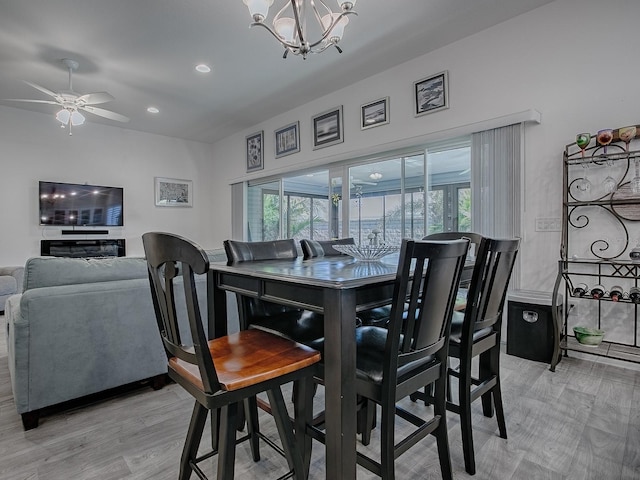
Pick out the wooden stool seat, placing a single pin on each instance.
(247, 358)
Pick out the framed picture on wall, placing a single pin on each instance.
(173, 192)
(327, 128)
(287, 139)
(373, 114)
(431, 94)
(255, 151)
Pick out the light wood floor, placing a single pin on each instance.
(581, 422)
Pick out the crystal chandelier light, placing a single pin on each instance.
(290, 23)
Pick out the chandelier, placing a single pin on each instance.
(290, 24)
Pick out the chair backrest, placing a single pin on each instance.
(323, 248)
(427, 281)
(238, 251)
(488, 289)
(474, 239)
(170, 257)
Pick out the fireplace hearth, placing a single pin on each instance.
(83, 248)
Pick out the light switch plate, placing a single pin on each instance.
(548, 225)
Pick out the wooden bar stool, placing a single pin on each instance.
(223, 373)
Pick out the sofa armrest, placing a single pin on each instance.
(15, 272)
(12, 315)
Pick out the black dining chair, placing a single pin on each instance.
(475, 239)
(323, 248)
(476, 333)
(411, 352)
(294, 323)
(224, 373)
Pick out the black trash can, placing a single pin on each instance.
(530, 332)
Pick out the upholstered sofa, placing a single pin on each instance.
(82, 326)
(10, 283)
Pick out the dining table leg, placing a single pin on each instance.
(339, 376)
(217, 326)
(217, 322)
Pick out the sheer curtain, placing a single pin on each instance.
(496, 184)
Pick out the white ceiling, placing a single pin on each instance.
(144, 52)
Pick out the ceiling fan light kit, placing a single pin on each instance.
(65, 116)
(71, 102)
(289, 25)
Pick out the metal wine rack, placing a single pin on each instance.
(600, 242)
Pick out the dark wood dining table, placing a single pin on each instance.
(338, 287)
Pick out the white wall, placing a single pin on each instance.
(566, 59)
(572, 60)
(33, 148)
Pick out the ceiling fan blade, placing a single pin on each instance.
(105, 113)
(363, 182)
(95, 98)
(42, 89)
(31, 100)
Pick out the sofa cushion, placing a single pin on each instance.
(8, 285)
(56, 271)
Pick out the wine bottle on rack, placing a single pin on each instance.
(597, 292)
(634, 294)
(580, 290)
(615, 293)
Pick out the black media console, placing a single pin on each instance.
(83, 248)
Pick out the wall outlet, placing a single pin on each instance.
(548, 225)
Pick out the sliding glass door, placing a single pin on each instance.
(307, 209)
(376, 211)
(406, 196)
(449, 187)
(264, 211)
(293, 207)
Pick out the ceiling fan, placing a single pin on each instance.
(72, 103)
(355, 182)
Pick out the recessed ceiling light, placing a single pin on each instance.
(202, 68)
(153, 110)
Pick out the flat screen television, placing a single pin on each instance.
(83, 205)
